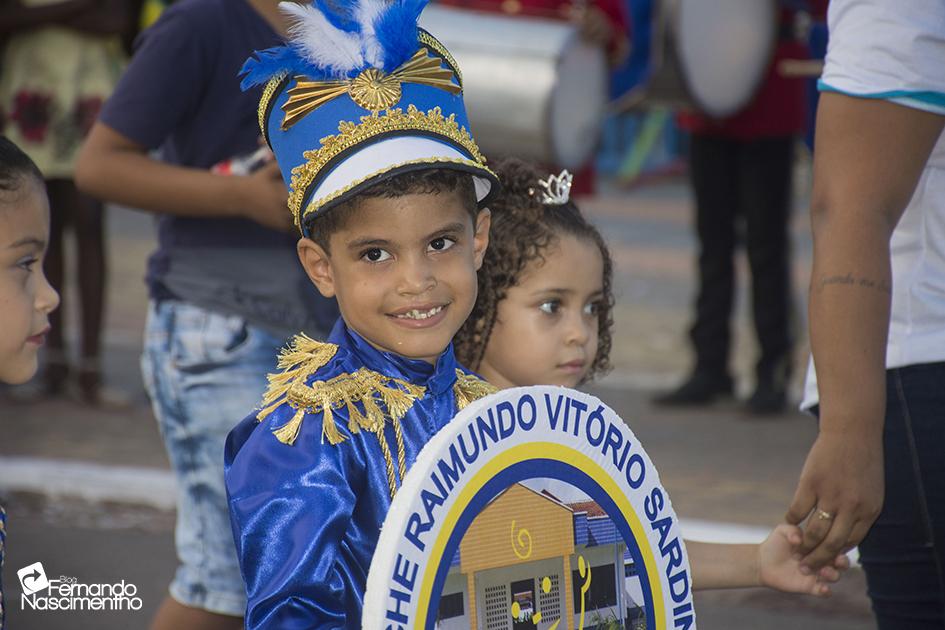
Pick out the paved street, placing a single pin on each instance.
(718, 464)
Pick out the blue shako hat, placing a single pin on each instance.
(358, 94)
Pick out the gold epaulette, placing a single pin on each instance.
(302, 358)
(363, 386)
(469, 388)
(362, 393)
(366, 387)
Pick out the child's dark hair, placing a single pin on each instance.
(523, 229)
(424, 181)
(15, 167)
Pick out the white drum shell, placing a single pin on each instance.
(532, 88)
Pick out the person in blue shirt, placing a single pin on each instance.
(217, 315)
(365, 115)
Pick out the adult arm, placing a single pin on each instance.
(867, 161)
(159, 92)
(114, 168)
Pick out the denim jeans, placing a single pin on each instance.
(904, 553)
(204, 373)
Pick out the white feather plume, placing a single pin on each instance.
(321, 43)
(367, 14)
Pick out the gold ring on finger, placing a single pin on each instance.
(823, 515)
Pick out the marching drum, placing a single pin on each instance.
(708, 55)
(532, 87)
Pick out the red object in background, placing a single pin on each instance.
(32, 112)
(557, 9)
(583, 183)
(780, 106)
(86, 113)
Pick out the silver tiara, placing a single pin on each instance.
(556, 190)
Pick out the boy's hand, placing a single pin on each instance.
(778, 569)
(263, 198)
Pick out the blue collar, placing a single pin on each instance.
(437, 379)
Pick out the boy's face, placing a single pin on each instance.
(26, 299)
(403, 270)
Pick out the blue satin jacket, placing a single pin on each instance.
(308, 489)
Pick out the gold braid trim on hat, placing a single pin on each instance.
(469, 388)
(313, 206)
(351, 134)
(373, 89)
(434, 44)
(268, 93)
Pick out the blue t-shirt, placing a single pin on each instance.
(181, 96)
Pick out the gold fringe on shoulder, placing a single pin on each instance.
(303, 357)
(369, 398)
(362, 394)
(469, 388)
(364, 387)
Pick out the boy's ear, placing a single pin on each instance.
(317, 265)
(481, 237)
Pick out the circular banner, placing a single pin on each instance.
(533, 508)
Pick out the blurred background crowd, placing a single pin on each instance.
(689, 128)
(731, 118)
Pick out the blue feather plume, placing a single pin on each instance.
(396, 31)
(271, 62)
(340, 14)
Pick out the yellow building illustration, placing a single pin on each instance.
(528, 560)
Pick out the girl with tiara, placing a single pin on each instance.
(544, 317)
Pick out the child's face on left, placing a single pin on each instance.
(403, 270)
(26, 299)
(546, 328)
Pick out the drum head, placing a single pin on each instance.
(724, 47)
(577, 105)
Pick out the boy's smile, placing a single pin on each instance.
(403, 270)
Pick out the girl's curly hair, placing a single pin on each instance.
(523, 230)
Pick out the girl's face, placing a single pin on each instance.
(547, 326)
(26, 299)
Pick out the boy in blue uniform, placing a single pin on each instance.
(364, 112)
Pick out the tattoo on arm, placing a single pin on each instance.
(851, 280)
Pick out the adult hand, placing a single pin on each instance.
(264, 198)
(841, 489)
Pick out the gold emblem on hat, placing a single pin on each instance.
(373, 89)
